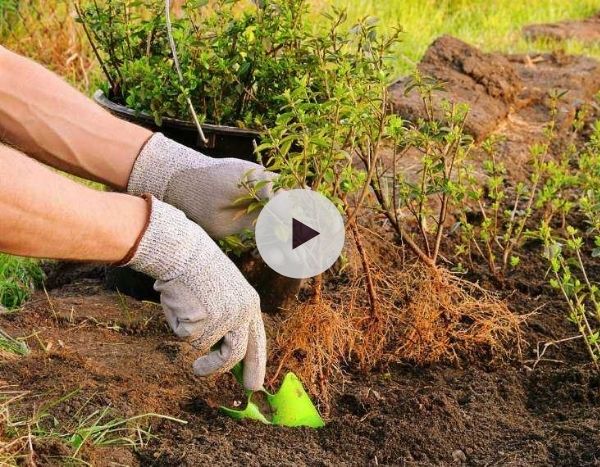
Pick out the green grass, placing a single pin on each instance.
(18, 278)
(491, 25)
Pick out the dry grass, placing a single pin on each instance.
(14, 450)
(46, 31)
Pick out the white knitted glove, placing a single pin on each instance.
(204, 296)
(202, 187)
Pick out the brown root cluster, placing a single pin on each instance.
(450, 319)
(424, 315)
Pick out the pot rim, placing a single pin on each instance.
(103, 100)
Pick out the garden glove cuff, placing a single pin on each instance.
(202, 187)
(204, 296)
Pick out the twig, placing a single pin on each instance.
(93, 45)
(547, 345)
(178, 68)
(367, 269)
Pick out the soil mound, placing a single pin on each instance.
(486, 82)
(508, 95)
(576, 78)
(541, 73)
(587, 30)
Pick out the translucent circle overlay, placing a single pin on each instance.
(318, 230)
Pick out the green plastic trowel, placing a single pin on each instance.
(290, 406)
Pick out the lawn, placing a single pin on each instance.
(490, 25)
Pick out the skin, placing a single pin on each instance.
(43, 116)
(52, 122)
(46, 215)
(78, 223)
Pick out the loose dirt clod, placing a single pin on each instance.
(487, 82)
(586, 30)
(576, 78)
(508, 95)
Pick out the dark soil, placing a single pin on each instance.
(587, 30)
(122, 354)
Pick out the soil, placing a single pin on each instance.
(540, 409)
(587, 30)
(487, 82)
(118, 352)
(508, 95)
(576, 77)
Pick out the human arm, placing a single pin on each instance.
(54, 123)
(204, 296)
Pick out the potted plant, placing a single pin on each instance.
(235, 64)
(305, 100)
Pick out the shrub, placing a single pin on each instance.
(238, 61)
(495, 223)
(569, 275)
(571, 252)
(317, 96)
(427, 196)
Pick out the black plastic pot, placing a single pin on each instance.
(223, 141)
(276, 291)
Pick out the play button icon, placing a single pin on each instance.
(300, 233)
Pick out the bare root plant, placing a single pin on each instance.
(388, 311)
(425, 315)
(508, 207)
(425, 198)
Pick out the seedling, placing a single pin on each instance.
(506, 206)
(570, 276)
(290, 406)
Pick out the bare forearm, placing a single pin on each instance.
(51, 121)
(46, 215)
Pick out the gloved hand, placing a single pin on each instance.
(204, 188)
(204, 296)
